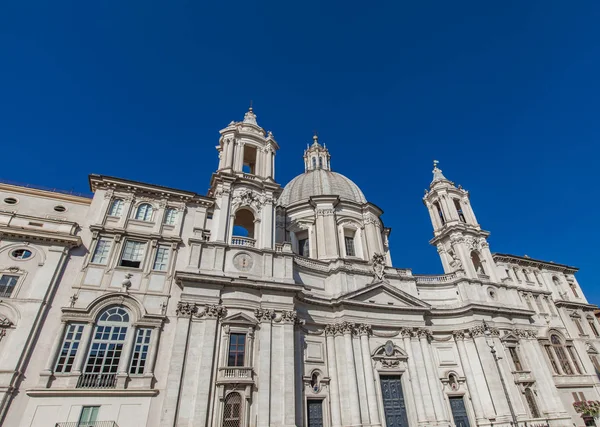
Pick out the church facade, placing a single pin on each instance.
(257, 305)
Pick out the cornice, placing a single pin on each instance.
(40, 236)
(530, 262)
(460, 227)
(575, 304)
(75, 392)
(214, 280)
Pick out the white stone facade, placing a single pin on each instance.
(258, 306)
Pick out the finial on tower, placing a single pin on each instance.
(437, 173)
(250, 117)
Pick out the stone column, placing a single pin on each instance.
(347, 329)
(421, 374)
(154, 340)
(414, 378)
(211, 315)
(56, 347)
(185, 311)
(289, 392)
(122, 370)
(459, 337)
(265, 317)
(363, 331)
(334, 387)
(432, 376)
(490, 371)
(229, 151)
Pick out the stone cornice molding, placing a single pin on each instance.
(530, 262)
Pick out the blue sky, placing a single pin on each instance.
(506, 96)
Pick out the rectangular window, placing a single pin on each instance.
(550, 304)
(132, 254)
(7, 285)
(578, 324)
(574, 359)
(101, 252)
(596, 364)
(528, 301)
(140, 351)
(303, 248)
(574, 289)
(237, 349)
(515, 358)
(593, 327)
(349, 241)
(89, 415)
(538, 302)
(69, 348)
(161, 261)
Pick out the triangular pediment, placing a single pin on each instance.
(383, 294)
(239, 319)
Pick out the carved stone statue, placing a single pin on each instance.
(379, 265)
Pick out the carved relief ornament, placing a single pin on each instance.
(264, 315)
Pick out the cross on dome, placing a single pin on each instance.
(437, 173)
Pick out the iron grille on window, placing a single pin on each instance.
(232, 410)
(349, 241)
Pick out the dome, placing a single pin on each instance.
(320, 182)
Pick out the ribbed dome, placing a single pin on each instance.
(320, 182)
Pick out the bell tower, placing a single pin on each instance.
(459, 239)
(244, 185)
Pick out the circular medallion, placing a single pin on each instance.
(243, 262)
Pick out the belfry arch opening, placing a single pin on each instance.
(249, 165)
(243, 224)
(477, 263)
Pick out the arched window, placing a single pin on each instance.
(116, 209)
(320, 162)
(561, 355)
(144, 212)
(106, 349)
(440, 213)
(314, 162)
(249, 161)
(459, 210)
(232, 410)
(170, 216)
(477, 263)
(533, 408)
(243, 224)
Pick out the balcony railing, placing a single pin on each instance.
(235, 374)
(88, 424)
(243, 241)
(97, 381)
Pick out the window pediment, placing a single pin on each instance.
(240, 319)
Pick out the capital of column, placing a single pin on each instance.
(346, 328)
(422, 333)
(363, 329)
(214, 311)
(459, 335)
(330, 330)
(264, 314)
(185, 309)
(479, 330)
(289, 316)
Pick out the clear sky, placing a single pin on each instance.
(504, 94)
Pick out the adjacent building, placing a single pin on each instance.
(257, 305)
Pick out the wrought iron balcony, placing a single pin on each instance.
(88, 424)
(235, 374)
(97, 381)
(243, 241)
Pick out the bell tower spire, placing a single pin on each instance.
(244, 185)
(460, 241)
